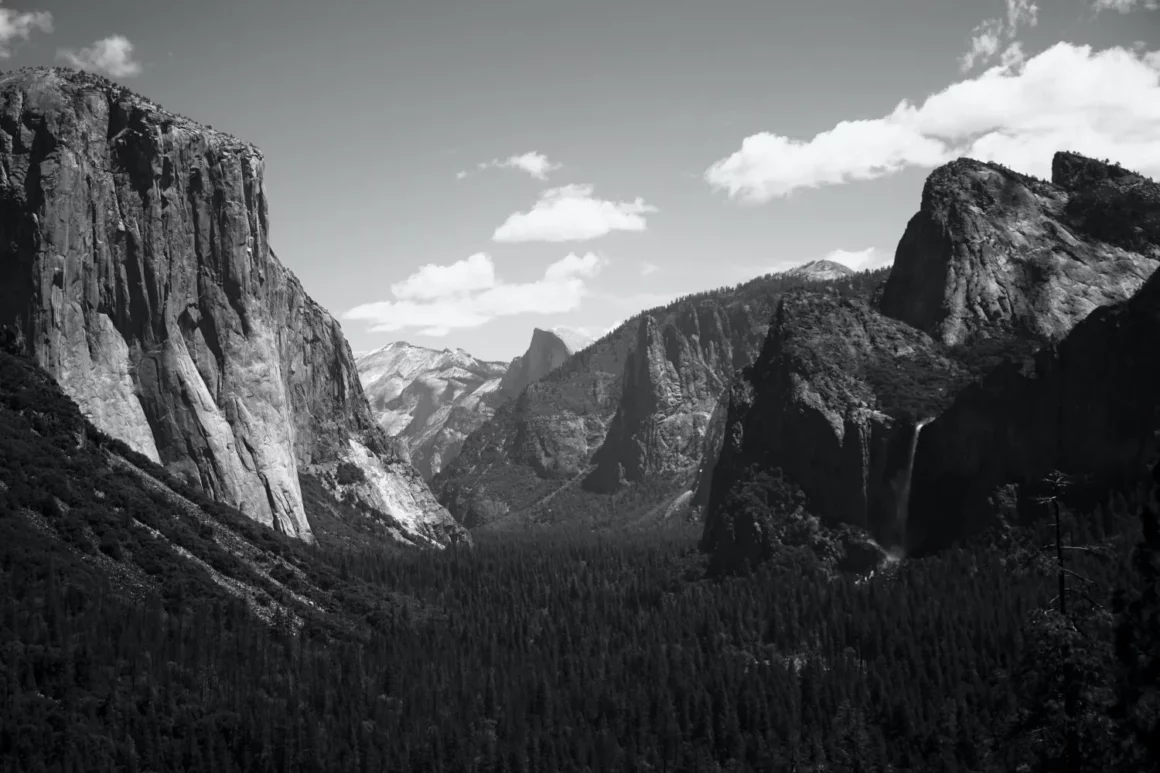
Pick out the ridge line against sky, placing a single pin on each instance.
(611, 165)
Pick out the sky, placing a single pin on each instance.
(454, 173)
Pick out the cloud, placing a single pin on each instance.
(1104, 104)
(647, 268)
(861, 260)
(988, 37)
(112, 55)
(985, 42)
(431, 281)
(19, 25)
(1125, 6)
(534, 163)
(570, 213)
(467, 293)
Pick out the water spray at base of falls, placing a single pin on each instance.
(903, 512)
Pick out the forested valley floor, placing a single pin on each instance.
(126, 644)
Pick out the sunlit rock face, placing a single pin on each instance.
(993, 252)
(430, 399)
(135, 266)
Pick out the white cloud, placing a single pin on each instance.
(988, 37)
(1012, 56)
(19, 25)
(112, 55)
(1104, 104)
(534, 163)
(467, 293)
(570, 213)
(985, 41)
(1125, 6)
(647, 268)
(861, 260)
(476, 272)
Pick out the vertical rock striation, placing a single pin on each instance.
(135, 266)
(672, 379)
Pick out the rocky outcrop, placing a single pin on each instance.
(884, 428)
(548, 350)
(634, 407)
(822, 405)
(429, 399)
(672, 379)
(992, 252)
(1087, 407)
(136, 269)
(820, 270)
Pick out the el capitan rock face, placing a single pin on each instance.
(430, 399)
(992, 252)
(135, 266)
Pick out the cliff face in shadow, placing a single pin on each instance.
(993, 267)
(1086, 407)
(832, 403)
(547, 351)
(135, 267)
(672, 379)
(620, 430)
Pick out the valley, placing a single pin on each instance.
(843, 515)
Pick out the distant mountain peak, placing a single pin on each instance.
(572, 338)
(820, 270)
(429, 398)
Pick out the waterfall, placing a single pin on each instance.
(904, 487)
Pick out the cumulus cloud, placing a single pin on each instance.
(19, 25)
(1125, 6)
(534, 163)
(112, 55)
(467, 293)
(988, 37)
(571, 213)
(431, 281)
(1104, 104)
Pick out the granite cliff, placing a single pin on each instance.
(135, 268)
(548, 350)
(1086, 406)
(680, 363)
(633, 408)
(994, 266)
(831, 402)
(992, 252)
(430, 399)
